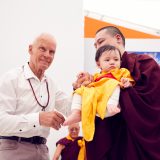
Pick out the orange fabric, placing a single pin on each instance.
(92, 25)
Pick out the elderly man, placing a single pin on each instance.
(71, 147)
(27, 100)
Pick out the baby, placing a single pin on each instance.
(100, 97)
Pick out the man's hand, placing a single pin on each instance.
(51, 119)
(83, 78)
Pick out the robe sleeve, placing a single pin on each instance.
(63, 141)
(140, 106)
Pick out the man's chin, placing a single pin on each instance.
(44, 67)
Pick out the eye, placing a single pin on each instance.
(51, 52)
(74, 129)
(101, 41)
(42, 49)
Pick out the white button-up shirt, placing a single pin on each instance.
(19, 111)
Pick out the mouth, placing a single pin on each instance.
(45, 63)
(111, 67)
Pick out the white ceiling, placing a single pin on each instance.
(142, 12)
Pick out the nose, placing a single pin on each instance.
(98, 46)
(112, 62)
(47, 54)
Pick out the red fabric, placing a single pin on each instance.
(109, 75)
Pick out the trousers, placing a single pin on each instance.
(11, 149)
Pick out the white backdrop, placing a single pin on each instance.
(21, 20)
(140, 12)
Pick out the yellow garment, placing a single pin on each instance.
(70, 138)
(81, 144)
(82, 151)
(95, 97)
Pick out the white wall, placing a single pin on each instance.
(22, 20)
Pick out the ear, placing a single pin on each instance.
(98, 65)
(30, 49)
(119, 38)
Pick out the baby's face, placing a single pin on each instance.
(109, 60)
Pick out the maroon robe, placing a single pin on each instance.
(134, 134)
(141, 109)
(71, 150)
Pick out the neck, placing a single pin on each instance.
(38, 73)
(122, 50)
(70, 138)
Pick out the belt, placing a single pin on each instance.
(33, 140)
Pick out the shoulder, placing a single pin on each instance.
(139, 57)
(145, 61)
(134, 60)
(11, 75)
(79, 137)
(64, 141)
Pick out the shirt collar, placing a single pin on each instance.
(29, 74)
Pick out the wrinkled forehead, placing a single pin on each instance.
(45, 40)
(47, 43)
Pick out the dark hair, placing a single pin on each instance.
(105, 48)
(112, 30)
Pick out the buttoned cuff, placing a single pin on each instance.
(33, 120)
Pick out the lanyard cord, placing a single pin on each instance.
(43, 107)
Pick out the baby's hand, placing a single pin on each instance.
(113, 109)
(125, 82)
